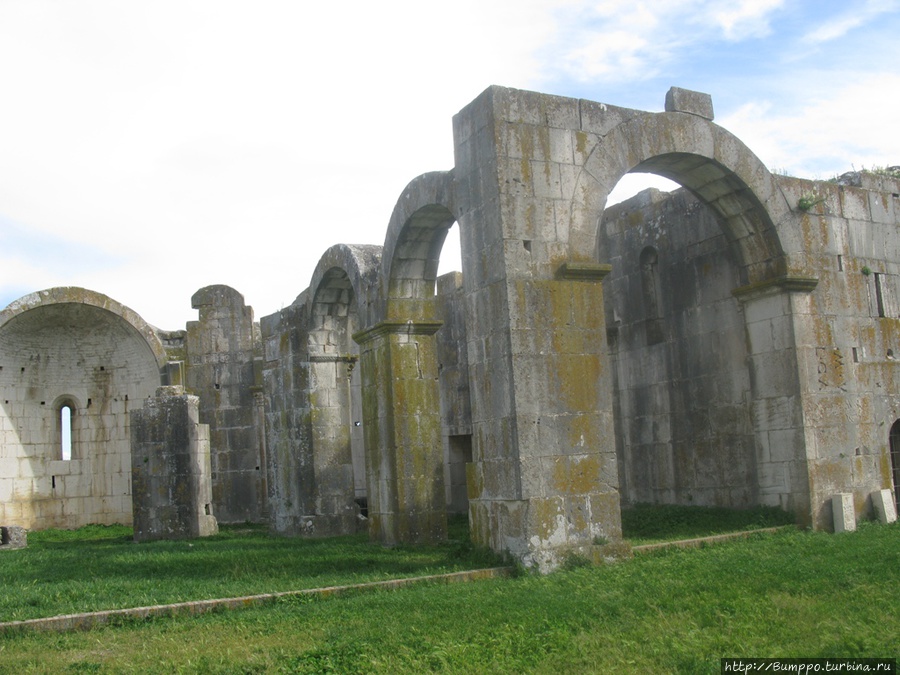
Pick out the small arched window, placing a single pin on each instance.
(66, 414)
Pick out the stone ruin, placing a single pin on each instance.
(731, 343)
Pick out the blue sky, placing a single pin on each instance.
(148, 149)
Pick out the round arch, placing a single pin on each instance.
(70, 348)
(73, 295)
(707, 160)
(344, 267)
(419, 224)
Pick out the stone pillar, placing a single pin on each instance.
(777, 397)
(221, 368)
(170, 474)
(546, 481)
(336, 512)
(402, 427)
(544, 478)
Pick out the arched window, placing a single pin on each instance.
(66, 413)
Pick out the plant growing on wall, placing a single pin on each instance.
(808, 201)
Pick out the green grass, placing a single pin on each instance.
(789, 594)
(651, 523)
(97, 567)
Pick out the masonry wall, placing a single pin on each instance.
(286, 384)
(171, 487)
(90, 359)
(848, 333)
(456, 405)
(221, 369)
(684, 431)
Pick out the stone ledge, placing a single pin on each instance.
(411, 327)
(791, 284)
(583, 271)
(90, 620)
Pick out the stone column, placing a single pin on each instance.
(777, 397)
(402, 427)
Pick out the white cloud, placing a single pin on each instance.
(615, 54)
(621, 40)
(223, 141)
(742, 19)
(859, 15)
(854, 124)
(175, 144)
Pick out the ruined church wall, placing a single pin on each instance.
(64, 351)
(171, 487)
(456, 404)
(848, 334)
(221, 350)
(285, 375)
(679, 359)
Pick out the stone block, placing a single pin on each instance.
(687, 101)
(843, 512)
(885, 509)
(855, 204)
(13, 537)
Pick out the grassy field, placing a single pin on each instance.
(793, 593)
(97, 568)
(650, 523)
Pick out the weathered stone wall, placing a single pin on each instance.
(734, 347)
(221, 369)
(678, 343)
(456, 406)
(313, 394)
(544, 466)
(289, 450)
(171, 487)
(70, 347)
(848, 335)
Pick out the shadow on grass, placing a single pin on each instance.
(650, 523)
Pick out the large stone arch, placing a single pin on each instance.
(401, 395)
(71, 347)
(416, 232)
(339, 293)
(706, 159)
(756, 219)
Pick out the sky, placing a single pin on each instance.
(149, 149)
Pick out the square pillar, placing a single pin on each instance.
(402, 427)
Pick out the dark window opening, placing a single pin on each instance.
(895, 460)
